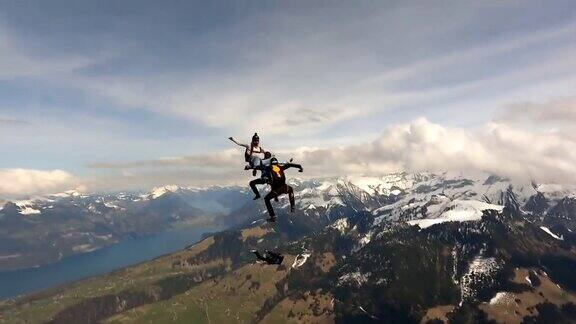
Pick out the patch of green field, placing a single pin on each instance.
(137, 277)
(235, 297)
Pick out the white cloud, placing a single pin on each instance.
(561, 111)
(546, 156)
(339, 73)
(326, 77)
(425, 146)
(27, 182)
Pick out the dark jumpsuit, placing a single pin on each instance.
(277, 181)
(270, 257)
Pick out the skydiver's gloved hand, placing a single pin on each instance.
(231, 138)
(301, 169)
(248, 167)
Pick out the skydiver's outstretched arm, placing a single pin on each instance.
(246, 146)
(292, 165)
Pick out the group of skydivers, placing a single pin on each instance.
(272, 174)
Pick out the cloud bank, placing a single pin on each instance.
(425, 146)
(508, 150)
(27, 182)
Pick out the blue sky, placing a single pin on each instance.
(107, 91)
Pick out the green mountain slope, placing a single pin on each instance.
(461, 272)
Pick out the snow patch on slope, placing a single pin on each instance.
(341, 225)
(503, 298)
(160, 191)
(300, 260)
(547, 230)
(480, 270)
(356, 277)
(391, 184)
(457, 211)
(26, 207)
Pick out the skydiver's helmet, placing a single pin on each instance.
(267, 155)
(273, 160)
(255, 139)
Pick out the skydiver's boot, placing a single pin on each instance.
(268, 204)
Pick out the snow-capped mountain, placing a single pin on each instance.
(477, 227)
(414, 199)
(159, 191)
(427, 199)
(402, 248)
(44, 229)
(408, 197)
(412, 247)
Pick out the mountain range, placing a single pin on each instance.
(401, 248)
(43, 230)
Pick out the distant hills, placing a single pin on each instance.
(45, 229)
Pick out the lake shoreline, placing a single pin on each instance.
(23, 284)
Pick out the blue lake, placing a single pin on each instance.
(122, 254)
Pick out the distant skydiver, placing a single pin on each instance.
(277, 182)
(253, 153)
(269, 257)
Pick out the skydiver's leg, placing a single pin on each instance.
(265, 176)
(276, 198)
(254, 162)
(290, 191)
(267, 199)
(253, 184)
